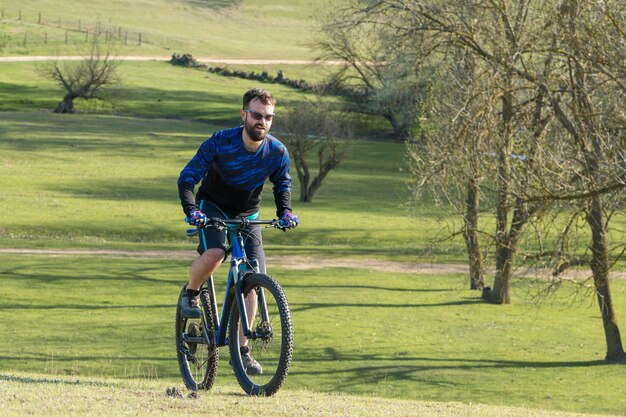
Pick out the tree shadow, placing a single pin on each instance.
(14, 306)
(300, 307)
(214, 4)
(13, 97)
(138, 274)
(370, 287)
(121, 189)
(408, 368)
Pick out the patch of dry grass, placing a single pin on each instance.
(44, 395)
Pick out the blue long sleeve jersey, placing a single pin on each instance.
(232, 177)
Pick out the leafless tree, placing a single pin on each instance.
(86, 78)
(314, 127)
(557, 71)
(375, 79)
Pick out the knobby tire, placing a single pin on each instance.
(197, 362)
(273, 353)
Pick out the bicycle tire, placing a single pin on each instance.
(273, 351)
(197, 361)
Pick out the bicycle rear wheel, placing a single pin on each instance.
(273, 344)
(195, 346)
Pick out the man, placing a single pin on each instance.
(232, 166)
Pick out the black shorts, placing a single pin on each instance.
(209, 238)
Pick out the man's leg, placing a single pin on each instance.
(211, 247)
(201, 269)
(204, 266)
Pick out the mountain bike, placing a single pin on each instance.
(269, 332)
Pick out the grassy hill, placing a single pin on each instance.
(93, 334)
(107, 182)
(251, 29)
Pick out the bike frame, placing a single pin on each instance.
(240, 266)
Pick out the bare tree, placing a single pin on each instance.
(451, 162)
(314, 128)
(86, 78)
(375, 79)
(592, 80)
(564, 61)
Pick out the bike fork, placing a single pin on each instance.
(260, 294)
(241, 303)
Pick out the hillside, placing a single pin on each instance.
(250, 29)
(88, 199)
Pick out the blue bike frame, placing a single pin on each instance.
(240, 266)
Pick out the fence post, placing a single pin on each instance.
(140, 39)
(66, 37)
(39, 19)
(19, 15)
(86, 35)
(25, 40)
(79, 25)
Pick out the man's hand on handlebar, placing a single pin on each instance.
(288, 220)
(196, 218)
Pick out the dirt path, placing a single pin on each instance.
(293, 262)
(205, 60)
(307, 262)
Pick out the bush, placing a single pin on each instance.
(263, 77)
(185, 60)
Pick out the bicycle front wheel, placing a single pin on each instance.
(272, 342)
(195, 346)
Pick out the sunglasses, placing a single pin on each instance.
(258, 116)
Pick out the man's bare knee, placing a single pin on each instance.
(205, 265)
(213, 256)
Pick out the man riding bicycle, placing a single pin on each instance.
(232, 167)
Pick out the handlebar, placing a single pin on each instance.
(239, 222)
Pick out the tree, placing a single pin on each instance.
(592, 80)
(375, 79)
(570, 56)
(85, 79)
(309, 127)
(451, 161)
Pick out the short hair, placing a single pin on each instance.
(258, 93)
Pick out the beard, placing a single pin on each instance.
(254, 134)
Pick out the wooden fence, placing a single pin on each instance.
(37, 29)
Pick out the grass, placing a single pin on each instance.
(149, 89)
(359, 332)
(71, 396)
(221, 29)
(138, 161)
(106, 180)
(111, 182)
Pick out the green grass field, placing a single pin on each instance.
(391, 335)
(210, 28)
(108, 181)
(82, 330)
(102, 181)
